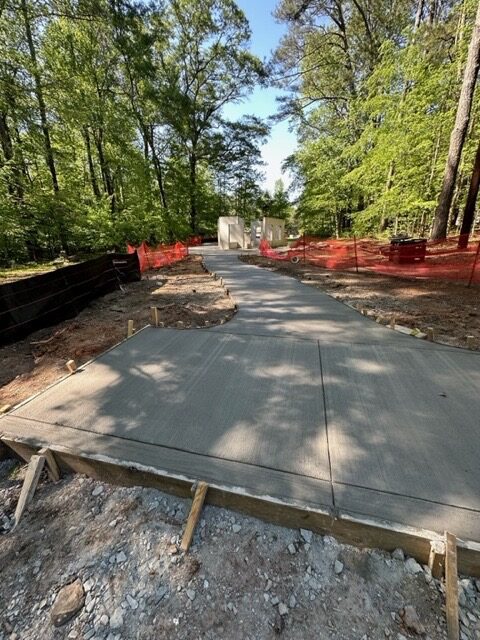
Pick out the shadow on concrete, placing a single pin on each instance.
(378, 429)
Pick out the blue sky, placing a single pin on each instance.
(266, 33)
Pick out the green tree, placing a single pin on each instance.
(112, 126)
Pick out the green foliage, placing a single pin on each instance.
(111, 122)
(374, 95)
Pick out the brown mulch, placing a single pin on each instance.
(185, 295)
(450, 308)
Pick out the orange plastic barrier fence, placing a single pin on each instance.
(415, 258)
(159, 256)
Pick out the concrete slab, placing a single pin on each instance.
(299, 397)
(274, 305)
(406, 510)
(259, 481)
(404, 421)
(237, 398)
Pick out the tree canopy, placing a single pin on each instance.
(112, 124)
(113, 127)
(373, 87)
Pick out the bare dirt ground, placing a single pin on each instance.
(242, 578)
(185, 295)
(451, 309)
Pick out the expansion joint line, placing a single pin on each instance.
(326, 423)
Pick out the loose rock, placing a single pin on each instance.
(306, 535)
(412, 566)
(411, 620)
(116, 619)
(338, 567)
(398, 554)
(69, 601)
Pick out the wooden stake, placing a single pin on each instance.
(451, 586)
(53, 469)
(194, 515)
(431, 334)
(392, 322)
(71, 366)
(23, 451)
(130, 329)
(30, 483)
(436, 560)
(5, 408)
(154, 316)
(471, 342)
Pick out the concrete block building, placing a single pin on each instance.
(232, 234)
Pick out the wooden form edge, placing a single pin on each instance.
(32, 476)
(53, 469)
(451, 586)
(194, 515)
(349, 528)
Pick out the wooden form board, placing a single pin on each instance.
(194, 515)
(345, 527)
(35, 467)
(451, 586)
(154, 316)
(436, 560)
(52, 466)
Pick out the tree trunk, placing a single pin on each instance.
(469, 211)
(193, 192)
(149, 143)
(14, 186)
(459, 132)
(40, 99)
(419, 14)
(157, 165)
(91, 166)
(339, 20)
(385, 219)
(105, 169)
(455, 206)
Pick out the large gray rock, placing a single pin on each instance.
(116, 619)
(70, 599)
(412, 566)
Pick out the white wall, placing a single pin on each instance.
(230, 232)
(273, 230)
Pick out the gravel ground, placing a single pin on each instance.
(242, 578)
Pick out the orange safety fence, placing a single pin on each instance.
(159, 256)
(412, 258)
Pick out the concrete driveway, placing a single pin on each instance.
(298, 397)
